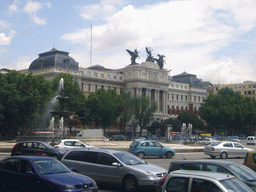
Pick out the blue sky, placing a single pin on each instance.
(214, 40)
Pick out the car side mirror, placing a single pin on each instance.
(116, 164)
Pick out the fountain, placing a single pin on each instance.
(62, 113)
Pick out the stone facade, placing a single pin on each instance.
(172, 94)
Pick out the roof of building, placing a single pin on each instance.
(54, 58)
(190, 79)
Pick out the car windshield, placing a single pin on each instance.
(243, 172)
(134, 144)
(128, 159)
(50, 166)
(235, 185)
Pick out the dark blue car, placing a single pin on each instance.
(41, 174)
(36, 148)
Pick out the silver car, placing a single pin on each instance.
(203, 181)
(226, 149)
(115, 168)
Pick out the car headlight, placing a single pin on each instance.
(68, 187)
(150, 174)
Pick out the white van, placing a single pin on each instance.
(251, 140)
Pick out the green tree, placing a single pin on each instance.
(126, 113)
(190, 118)
(104, 107)
(228, 111)
(143, 111)
(176, 126)
(22, 96)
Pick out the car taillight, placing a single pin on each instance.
(244, 163)
(56, 147)
(213, 149)
(164, 178)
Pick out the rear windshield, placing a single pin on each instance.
(134, 144)
(215, 144)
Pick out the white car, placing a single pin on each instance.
(68, 144)
(226, 149)
(208, 141)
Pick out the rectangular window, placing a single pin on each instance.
(95, 74)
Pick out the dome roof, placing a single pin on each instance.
(54, 58)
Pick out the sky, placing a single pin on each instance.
(214, 40)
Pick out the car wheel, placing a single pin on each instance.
(224, 155)
(213, 157)
(130, 184)
(169, 154)
(141, 155)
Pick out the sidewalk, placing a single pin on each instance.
(124, 145)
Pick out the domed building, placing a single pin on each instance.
(54, 58)
(173, 94)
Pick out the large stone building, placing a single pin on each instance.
(172, 94)
(247, 88)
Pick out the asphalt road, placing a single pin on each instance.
(164, 162)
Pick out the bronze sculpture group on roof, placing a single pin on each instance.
(134, 55)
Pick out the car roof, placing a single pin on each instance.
(208, 174)
(99, 150)
(31, 158)
(32, 141)
(216, 162)
(70, 140)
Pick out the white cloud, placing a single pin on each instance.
(4, 24)
(105, 9)
(188, 33)
(32, 8)
(6, 39)
(13, 7)
(23, 62)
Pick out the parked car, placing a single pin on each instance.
(143, 148)
(114, 167)
(241, 172)
(67, 144)
(36, 148)
(207, 141)
(137, 138)
(198, 181)
(250, 160)
(40, 174)
(235, 140)
(250, 140)
(118, 138)
(226, 149)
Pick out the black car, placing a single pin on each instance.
(36, 148)
(41, 174)
(243, 173)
